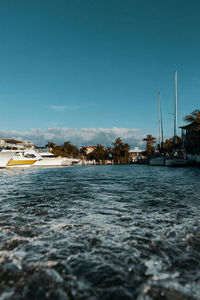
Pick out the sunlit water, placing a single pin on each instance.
(100, 232)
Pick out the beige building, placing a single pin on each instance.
(90, 149)
(12, 143)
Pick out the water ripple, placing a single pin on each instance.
(100, 232)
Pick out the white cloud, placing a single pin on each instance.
(79, 137)
(63, 107)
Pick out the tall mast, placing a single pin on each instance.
(162, 137)
(159, 118)
(175, 107)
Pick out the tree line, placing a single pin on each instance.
(119, 153)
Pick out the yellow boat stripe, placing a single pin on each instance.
(21, 162)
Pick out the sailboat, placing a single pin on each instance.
(177, 158)
(159, 160)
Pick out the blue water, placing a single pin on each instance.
(100, 232)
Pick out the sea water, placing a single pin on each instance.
(100, 232)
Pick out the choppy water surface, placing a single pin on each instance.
(100, 232)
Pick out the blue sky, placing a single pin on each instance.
(96, 66)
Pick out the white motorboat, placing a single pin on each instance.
(23, 158)
(49, 159)
(5, 157)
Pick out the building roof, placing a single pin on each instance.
(189, 125)
(91, 147)
(9, 140)
(136, 149)
(14, 141)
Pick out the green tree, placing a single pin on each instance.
(83, 151)
(194, 117)
(169, 145)
(150, 149)
(70, 150)
(57, 151)
(109, 153)
(66, 150)
(51, 146)
(99, 153)
(120, 152)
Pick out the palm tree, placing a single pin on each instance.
(169, 144)
(51, 146)
(120, 151)
(99, 153)
(118, 142)
(109, 153)
(150, 149)
(193, 118)
(70, 150)
(83, 151)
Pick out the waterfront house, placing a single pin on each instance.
(191, 138)
(136, 154)
(10, 143)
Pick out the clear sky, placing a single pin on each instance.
(91, 67)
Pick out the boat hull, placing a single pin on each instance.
(57, 161)
(197, 160)
(5, 157)
(175, 162)
(157, 161)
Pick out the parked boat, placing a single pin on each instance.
(24, 158)
(177, 158)
(49, 159)
(176, 162)
(5, 157)
(157, 161)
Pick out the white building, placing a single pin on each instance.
(135, 154)
(13, 144)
